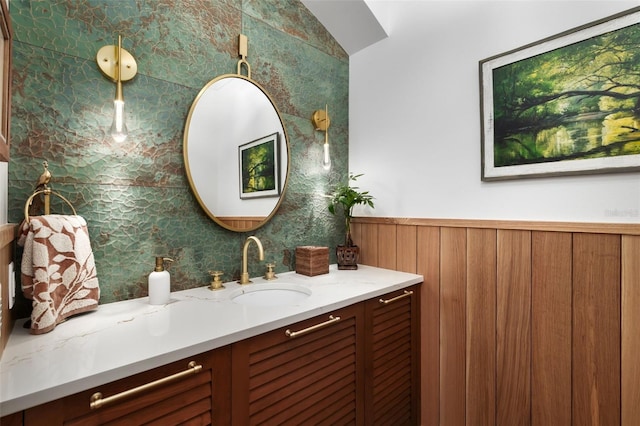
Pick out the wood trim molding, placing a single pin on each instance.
(517, 225)
(6, 33)
(7, 234)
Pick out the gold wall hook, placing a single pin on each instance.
(243, 48)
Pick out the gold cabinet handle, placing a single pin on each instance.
(330, 321)
(97, 401)
(407, 293)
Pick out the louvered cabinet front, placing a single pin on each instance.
(192, 391)
(306, 373)
(392, 373)
(353, 366)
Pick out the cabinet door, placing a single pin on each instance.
(14, 419)
(307, 373)
(178, 393)
(392, 353)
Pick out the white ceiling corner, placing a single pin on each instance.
(350, 22)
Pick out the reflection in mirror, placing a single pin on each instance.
(236, 152)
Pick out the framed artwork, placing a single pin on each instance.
(260, 167)
(5, 81)
(569, 104)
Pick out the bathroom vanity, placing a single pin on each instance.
(345, 351)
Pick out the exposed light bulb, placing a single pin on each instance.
(326, 158)
(118, 127)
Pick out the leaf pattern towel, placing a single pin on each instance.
(58, 269)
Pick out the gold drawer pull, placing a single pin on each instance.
(331, 320)
(97, 401)
(407, 293)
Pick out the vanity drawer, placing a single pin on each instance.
(194, 389)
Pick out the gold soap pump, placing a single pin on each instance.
(160, 283)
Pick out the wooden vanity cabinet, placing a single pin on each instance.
(310, 372)
(392, 374)
(185, 397)
(355, 365)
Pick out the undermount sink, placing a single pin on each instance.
(270, 294)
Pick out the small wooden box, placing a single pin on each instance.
(312, 260)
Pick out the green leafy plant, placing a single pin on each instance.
(344, 199)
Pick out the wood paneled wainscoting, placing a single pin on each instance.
(6, 256)
(523, 323)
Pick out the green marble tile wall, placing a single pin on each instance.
(135, 195)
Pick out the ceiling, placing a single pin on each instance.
(351, 22)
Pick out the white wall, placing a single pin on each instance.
(415, 115)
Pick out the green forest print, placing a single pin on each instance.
(259, 168)
(576, 102)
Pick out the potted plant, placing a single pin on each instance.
(344, 198)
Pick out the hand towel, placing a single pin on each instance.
(58, 269)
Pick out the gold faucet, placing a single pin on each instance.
(244, 278)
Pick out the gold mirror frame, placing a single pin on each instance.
(198, 184)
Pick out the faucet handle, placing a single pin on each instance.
(216, 282)
(270, 275)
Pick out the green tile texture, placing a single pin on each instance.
(135, 195)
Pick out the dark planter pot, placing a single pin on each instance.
(347, 256)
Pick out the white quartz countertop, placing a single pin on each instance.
(125, 338)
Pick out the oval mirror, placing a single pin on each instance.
(236, 152)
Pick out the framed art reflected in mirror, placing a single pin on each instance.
(260, 168)
(5, 81)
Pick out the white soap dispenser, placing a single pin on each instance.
(160, 283)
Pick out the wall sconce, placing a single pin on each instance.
(119, 65)
(321, 121)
